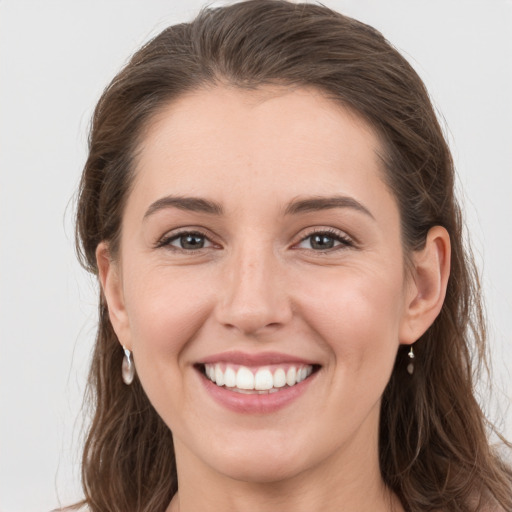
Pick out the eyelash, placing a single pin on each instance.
(344, 241)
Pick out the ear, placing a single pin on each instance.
(111, 285)
(426, 287)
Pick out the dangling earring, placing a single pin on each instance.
(410, 366)
(127, 368)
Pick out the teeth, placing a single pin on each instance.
(230, 378)
(244, 378)
(279, 378)
(219, 376)
(290, 376)
(263, 380)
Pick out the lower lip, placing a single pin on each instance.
(245, 403)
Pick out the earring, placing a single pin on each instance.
(127, 368)
(410, 366)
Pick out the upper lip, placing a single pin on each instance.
(259, 359)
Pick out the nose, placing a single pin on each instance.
(254, 298)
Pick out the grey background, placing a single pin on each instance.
(55, 59)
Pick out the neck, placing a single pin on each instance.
(351, 482)
(286, 497)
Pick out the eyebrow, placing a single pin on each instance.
(313, 204)
(191, 204)
(310, 204)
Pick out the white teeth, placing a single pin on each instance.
(263, 380)
(279, 378)
(246, 380)
(219, 376)
(291, 376)
(230, 378)
(303, 373)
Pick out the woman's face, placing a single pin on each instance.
(261, 248)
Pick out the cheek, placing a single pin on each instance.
(357, 318)
(357, 314)
(165, 308)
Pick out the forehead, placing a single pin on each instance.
(223, 140)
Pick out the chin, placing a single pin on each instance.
(262, 470)
(260, 461)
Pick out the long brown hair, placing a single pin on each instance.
(434, 451)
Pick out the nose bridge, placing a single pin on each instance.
(254, 297)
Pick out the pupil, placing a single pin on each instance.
(192, 241)
(322, 242)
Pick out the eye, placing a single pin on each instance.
(187, 241)
(324, 241)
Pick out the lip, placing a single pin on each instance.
(259, 359)
(257, 404)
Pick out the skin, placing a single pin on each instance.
(259, 284)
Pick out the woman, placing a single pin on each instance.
(287, 311)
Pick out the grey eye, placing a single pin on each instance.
(321, 242)
(190, 241)
(324, 241)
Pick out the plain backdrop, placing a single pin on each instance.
(55, 59)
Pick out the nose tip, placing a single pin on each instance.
(254, 299)
(251, 321)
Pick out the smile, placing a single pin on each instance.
(258, 384)
(262, 380)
